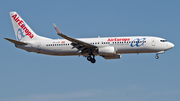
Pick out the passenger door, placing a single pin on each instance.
(153, 41)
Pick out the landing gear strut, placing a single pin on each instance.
(160, 52)
(92, 59)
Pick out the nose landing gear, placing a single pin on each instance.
(160, 52)
(157, 57)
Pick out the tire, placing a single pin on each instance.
(93, 60)
(157, 57)
(89, 58)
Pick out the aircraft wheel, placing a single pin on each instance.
(93, 60)
(157, 57)
(89, 58)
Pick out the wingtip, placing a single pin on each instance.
(54, 25)
(57, 30)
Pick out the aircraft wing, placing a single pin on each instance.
(80, 45)
(16, 42)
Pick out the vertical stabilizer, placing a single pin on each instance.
(22, 31)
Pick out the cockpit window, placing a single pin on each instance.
(163, 40)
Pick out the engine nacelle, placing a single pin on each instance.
(108, 50)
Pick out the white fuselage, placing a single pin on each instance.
(123, 45)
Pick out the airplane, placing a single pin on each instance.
(106, 47)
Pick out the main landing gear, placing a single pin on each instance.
(90, 58)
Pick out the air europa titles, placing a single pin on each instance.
(118, 39)
(22, 25)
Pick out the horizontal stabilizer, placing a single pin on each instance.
(16, 42)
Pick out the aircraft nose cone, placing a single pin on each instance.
(171, 45)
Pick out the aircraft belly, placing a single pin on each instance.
(128, 49)
(65, 51)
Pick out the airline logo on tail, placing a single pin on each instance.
(22, 28)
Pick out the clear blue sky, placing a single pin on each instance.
(35, 77)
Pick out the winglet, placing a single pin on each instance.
(57, 30)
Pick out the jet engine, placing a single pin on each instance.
(108, 50)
